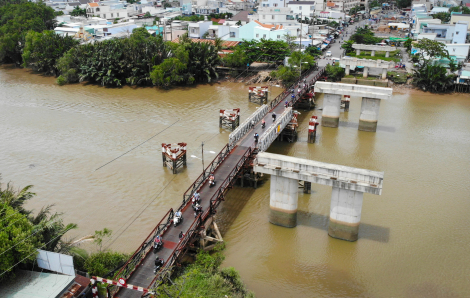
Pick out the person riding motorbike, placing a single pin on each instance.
(158, 262)
(274, 116)
(263, 123)
(181, 235)
(178, 214)
(198, 210)
(211, 178)
(256, 137)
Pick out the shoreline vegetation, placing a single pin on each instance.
(22, 232)
(27, 39)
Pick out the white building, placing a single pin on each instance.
(197, 30)
(275, 16)
(305, 8)
(106, 12)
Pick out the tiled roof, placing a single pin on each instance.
(241, 16)
(330, 4)
(225, 44)
(93, 4)
(275, 27)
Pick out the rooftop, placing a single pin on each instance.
(227, 44)
(36, 284)
(302, 2)
(93, 4)
(275, 27)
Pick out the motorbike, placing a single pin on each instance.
(198, 209)
(157, 246)
(157, 267)
(211, 183)
(177, 220)
(263, 125)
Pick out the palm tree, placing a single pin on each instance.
(16, 198)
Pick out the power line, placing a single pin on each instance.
(32, 253)
(137, 145)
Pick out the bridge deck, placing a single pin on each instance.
(144, 273)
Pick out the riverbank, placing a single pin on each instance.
(56, 137)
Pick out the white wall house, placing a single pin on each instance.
(275, 16)
(272, 3)
(197, 30)
(304, 8)
(106, 12)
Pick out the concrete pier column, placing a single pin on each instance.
(331, 110)
(358, 52)
(372, 54)
(387, 54)
(347, 70)
(366, 71)
(283, 201)
(384, 73)
(345, 214)
(369, 114)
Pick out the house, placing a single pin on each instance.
(219, 31)
(113, 11)
(242, 16)
(275, 16)
(438, 10)
(272, 3)
(304, 8)
(240, 4)
(197, 30)
(448, 33)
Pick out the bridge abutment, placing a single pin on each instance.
(369, 114)
(331, 110)
(283, 202)
(345, 214)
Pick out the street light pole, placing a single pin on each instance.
(202, 154)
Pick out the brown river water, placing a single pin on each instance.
(413, 239)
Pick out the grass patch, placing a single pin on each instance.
(378, 56)
(397, 77)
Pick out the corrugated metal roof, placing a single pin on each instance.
(227, 44)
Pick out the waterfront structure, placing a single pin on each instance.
(351, 63)
(229, 119)
(370, 106)
(174, 156)
(373, 48)
(349, 185)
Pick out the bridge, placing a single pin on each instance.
(237, 155)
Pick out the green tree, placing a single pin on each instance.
(168, 73)
(77, 11)
(17, 241)
(236, 59)
(334, 72)
(443, 16)
(101, 263)
(374, 3)
(313, 51)
(408, 43)
(286, 74)
(403, 3)
(15, 21)
(431, 50)
(432, 78)
(42, 50)
(205, 278)
(298, 59)
(347, 45)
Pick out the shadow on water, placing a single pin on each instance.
(366, 231)
(384, 128)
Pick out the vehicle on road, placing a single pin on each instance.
(328, 54)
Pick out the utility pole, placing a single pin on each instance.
(202, 154)
(300, 43)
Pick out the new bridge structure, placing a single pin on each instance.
(227, 167)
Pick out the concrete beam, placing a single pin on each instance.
(371, 47)
(353, 62)
(353, 90)
(343, 177)
(349, 185)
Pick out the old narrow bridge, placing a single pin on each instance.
(236, 155)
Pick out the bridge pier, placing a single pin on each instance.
(358, 52)
(370, 107)
(331, 110)
(369, 114)
(283, 201)
(349, 185)
(366, 72)
(345, 214)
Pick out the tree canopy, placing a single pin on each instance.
(443, 16)
(15, 21)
